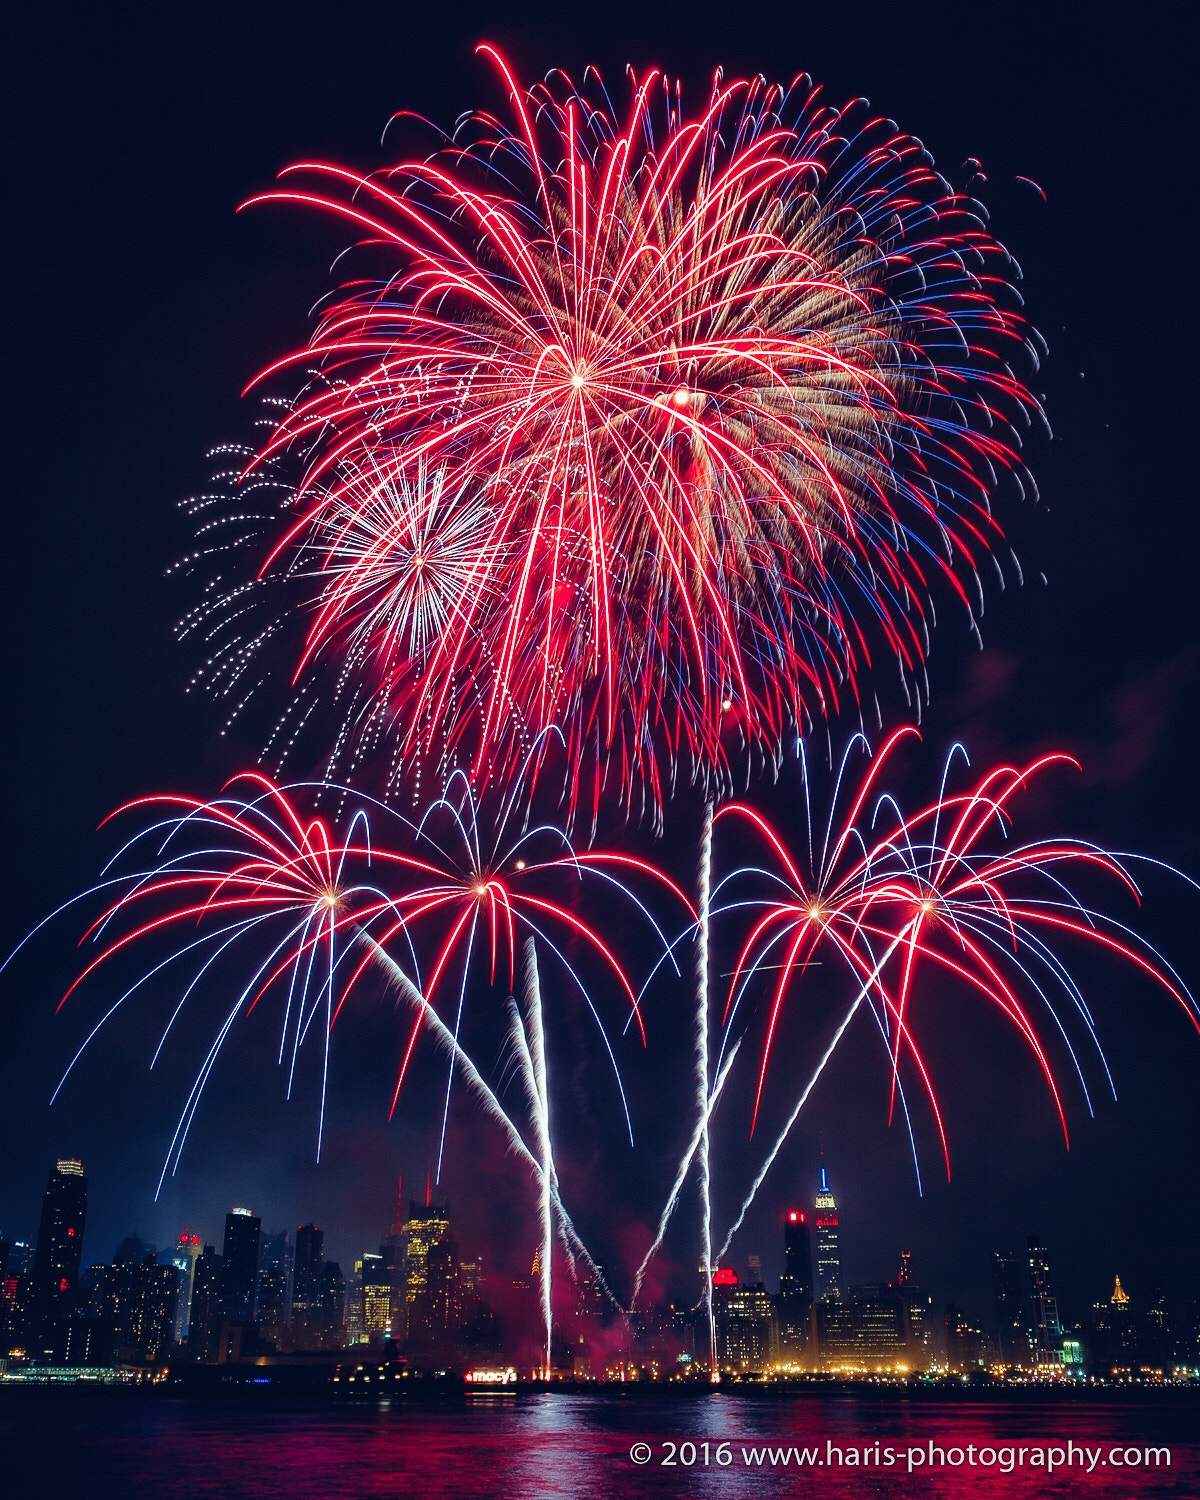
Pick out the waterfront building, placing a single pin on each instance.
(868, 1330)
(184, 1258)
(426, 1225)
(1114, 1335)
(746, 1325)
(966, 1348)
(371, 1310)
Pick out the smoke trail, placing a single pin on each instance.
(445, 1038)
(703, 1100)
(539, 1093)
(689, 1157)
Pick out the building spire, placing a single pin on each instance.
(1120, 1297)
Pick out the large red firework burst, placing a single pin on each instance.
(731, 388)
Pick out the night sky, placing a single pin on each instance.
(138, 305)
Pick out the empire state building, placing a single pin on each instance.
(829, 1260)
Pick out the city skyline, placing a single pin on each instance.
(226, 1279)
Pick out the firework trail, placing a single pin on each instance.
(247, 872)
(476, 890)
(529, 1039)
(896, 896)
(703, 1085)
(685, 1166)
(445, 1039)
(718, 398)
(781, 1139)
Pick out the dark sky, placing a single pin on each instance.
(137, 307)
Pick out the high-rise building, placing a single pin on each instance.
(375, 1294)
(306, 1271)
(308, 1314)
(1047, 1328)
(829, 1260)
(445, 1291)
(1114, 1335)
(796, 1283)
(59, 1247)
(919, 1303)
(184, 1258)
(331, 1292)
(965, 1345)
(275, 1282)
(425, 1227)
(870, 1329)
(746, 1327)
(204, 1318)
(239, 1265)
(1012, 1323)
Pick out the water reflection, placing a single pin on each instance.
(542, 1447)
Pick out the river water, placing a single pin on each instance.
(125, 1445)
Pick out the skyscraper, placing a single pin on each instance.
(307, 1314)
(275, 1282)
(1012, 1325)
(239, 1265)
(59, 1247)
(204, 1317)
(796, 1283)
(1047, 1329)
(184, 1258)
(829, 1260)
(375, 1293)
(425, 1227)
(306, 1270)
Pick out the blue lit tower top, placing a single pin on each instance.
(829, 1261)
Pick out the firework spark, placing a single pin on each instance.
(316, 910)
(895, 897)
(730, 389)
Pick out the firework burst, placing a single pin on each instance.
(311, 911)
(735, 386)
(899, 898)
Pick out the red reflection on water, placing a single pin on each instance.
(578, 1447)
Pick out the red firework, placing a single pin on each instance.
(730, 388)
(317, 909)
(895, 896)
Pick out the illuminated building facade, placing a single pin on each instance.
(371, 1312)
(829, 1260)
(868, 1330)
(425, 1227)
(184, 1258)
(1114, 1335)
